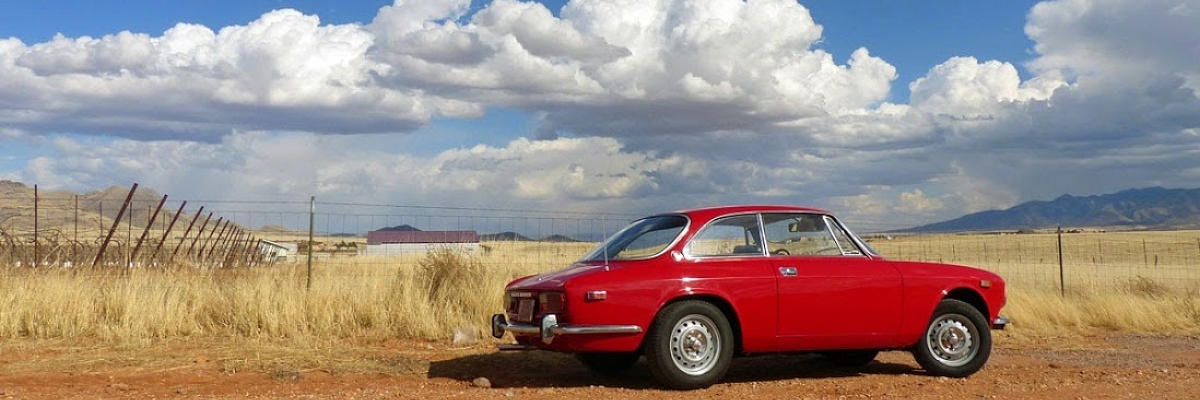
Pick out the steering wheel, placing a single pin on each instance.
(780, 252)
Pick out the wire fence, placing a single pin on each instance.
(116, 229)
(1064, 261)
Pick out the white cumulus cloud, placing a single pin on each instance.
(644, 104)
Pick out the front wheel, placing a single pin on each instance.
(957, 341)
(689, 345)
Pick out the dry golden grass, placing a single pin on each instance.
(429, 296)
(416, 296)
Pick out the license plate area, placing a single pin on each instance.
(525, 310)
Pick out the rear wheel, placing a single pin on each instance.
(689, 345)
(957, 341)
(608, 363)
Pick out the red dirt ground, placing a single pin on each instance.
(1113, 367)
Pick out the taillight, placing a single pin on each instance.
(552, 302)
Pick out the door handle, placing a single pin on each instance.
(787, 271)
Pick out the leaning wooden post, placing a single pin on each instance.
(216, 225)
(149, 223)
(183, 239)
(212, 241)
(167, 231)
(116, 222)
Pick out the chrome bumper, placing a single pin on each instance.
(550, 328)
(1000, 323)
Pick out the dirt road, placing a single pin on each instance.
(1121, 367)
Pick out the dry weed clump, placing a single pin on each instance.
(1144, 287)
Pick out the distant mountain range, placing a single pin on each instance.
(401, 228)
(1147, 208)
(495, 237)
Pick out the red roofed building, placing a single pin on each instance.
(393, 242)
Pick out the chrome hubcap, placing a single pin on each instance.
(695, 344)
(951, 339)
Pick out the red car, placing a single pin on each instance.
(689, 290)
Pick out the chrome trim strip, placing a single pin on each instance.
(1000, 323)
(549, 328)
(594, 329)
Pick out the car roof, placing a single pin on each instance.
(706, 213)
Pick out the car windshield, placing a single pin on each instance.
(642, 238)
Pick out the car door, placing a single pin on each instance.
(728, 260)
(830, 293)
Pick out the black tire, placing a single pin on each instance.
(957, 341)
(608, 364)
(850, 358)
(689, 345)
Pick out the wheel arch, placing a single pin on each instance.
(969, 296)
(722, 304)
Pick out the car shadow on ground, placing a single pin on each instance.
(541, 369)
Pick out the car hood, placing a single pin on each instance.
(558, 278)
(916, 268)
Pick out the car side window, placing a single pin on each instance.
(801, 234)
(730, 236)
(843, 238)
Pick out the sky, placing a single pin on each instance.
(890, 113)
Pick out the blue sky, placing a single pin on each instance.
(894, 112)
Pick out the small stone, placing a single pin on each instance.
(481, 382)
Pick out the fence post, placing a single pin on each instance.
(207, 241)
(149, 223)
(75, 237)
(312, 212)
(167, 231)
(37, 250)
(1145, 255)
(183, 239)
(1062, 277)
(116, 223)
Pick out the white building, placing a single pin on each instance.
(275, 251)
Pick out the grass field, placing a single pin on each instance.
(431, 296)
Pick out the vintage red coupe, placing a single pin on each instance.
(689, 290)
